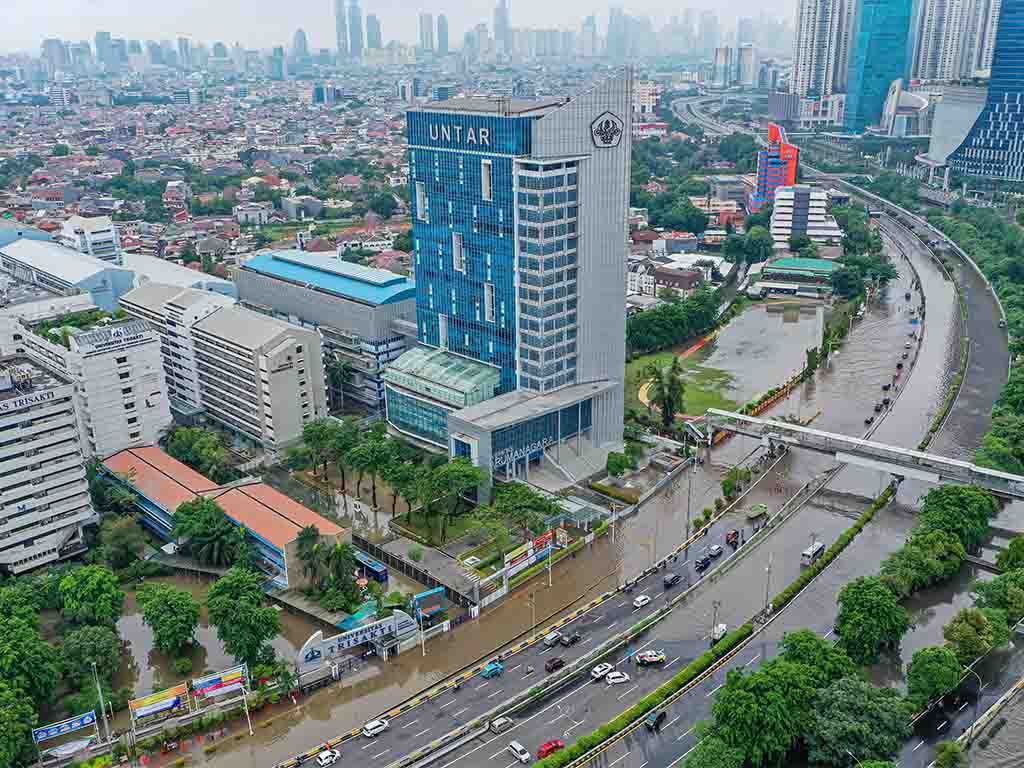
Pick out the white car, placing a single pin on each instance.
(519, 752)
(616, 677)
(641, 601)
(375, 728)
(328, 757)
(601, 670)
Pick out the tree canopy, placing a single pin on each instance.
(969, 635)
(1012, 557)
(17, 719)
(925, 560)
(202, 450)
(851, 715)
(91, 595)
(172, 614)
(123, 541)
(933, 671)
(667, 390)
(870, 619)
(90, 645)
(961, 510)
(205, 532)
(1005, 592)
(27, 661)
(245, 624)
(672, 323)
(827, 661)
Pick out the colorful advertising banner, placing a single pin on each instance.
(525, 563)
(518, 554)
(64, 726)
(218, 684)
(430, 602)
(543, 540)
(165, 700)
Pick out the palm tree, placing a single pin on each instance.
(339, 373)
(311, 553)
(667, 390)
(341, 563)
(344, 439)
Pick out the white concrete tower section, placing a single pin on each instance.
(821, 49)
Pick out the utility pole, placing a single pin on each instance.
(714, 617)
(689, 486)
(103, 708)
(768, 582)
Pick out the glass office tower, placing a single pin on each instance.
(879, 56)
(994, 147)
(519, 231)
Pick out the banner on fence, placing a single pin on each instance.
(218, 684)
(162, 701)
(64, 726)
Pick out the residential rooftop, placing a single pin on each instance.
(27, 377)
(328, 274)
(53, 259)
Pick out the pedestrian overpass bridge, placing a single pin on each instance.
(852, 450)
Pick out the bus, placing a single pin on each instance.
(371, 569)
(812, 553)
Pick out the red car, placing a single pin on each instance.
(549, 748)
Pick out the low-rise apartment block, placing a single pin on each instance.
(96, 236)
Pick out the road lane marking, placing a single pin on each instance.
(670, 722)
(618, 760)
(942, 725)
(962, 707)
(574, 725)
(425, 730)
(624, 695)
(612, 624)
(828, 634)
(496, 693)
(408, 725)
(513, 669)
(449, 703)
(484, 685)
(918, 746)
(752, 660)
(460, 712)
(691, 749)
(685, 735)
(712, 691)
(381, 754)
(621, 604)
(672, 662)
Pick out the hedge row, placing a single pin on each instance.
(687, 675)
(630, 497)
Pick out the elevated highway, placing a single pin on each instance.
(927, 467)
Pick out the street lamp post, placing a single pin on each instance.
(853, 756)
(977, 699)
(103, 708)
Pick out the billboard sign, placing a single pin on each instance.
(535, 557)
(318, 650)
(430, 602)
(64, 726)
(543, 540)
(218, 684)
(155, 703)
(518, 554)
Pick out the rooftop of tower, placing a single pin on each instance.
(496, 106)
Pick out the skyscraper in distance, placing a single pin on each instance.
(355, 30)
(103, 47)
(776, 167)
(519, 216)
(374, 39)
(300, 46)
(503, 27)
(994, 147)
(821, 47)
(878, 55)
(426, 32)
(442, 35)
(708, 33)
(341, 28)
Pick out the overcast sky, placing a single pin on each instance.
(262, 23)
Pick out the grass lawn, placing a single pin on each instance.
(704, 386)
(457, 526)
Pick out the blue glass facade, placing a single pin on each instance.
(878, 56)
(421, 418)
(994, 146)
(464, 239)
(526, 441)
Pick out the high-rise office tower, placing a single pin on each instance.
(745, 31)
(503, 27)
(426, 32)
(373, 34)
(300, 47)
(220, 51)
(723, 67)
(985, 24)
(747, 65)
(355, 30)
(588, 38)
(102, 47)
(341, 29)
(994, 146)
(707, 36)
(442, 35)
(184, 53)
(776, 167)
(821, 48)
(519, 219)
(55, 54)
(878, 55)
(154, 53)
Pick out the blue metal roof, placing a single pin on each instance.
(330, 274)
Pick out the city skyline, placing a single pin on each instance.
(234, 21)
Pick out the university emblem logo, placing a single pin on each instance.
(606, 130)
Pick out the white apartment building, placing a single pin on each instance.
(954, 39)
(96, 236)
(260, 377)
(44, 495)
(120, 388)
(803, 210)
(645, 98)
(821, 48)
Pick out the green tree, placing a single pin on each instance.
(317, 435)
(521, 506)
(925, 560)
(91, 595)
(202, 450)
(404, 242)
(27, 661)
(172, 614)
(205, 532)
(870, 619)
(374, 455)
(969, 635)
(1012, 557)
(92, 150)
(123, 541)
(494, 529)
(17, 719)
(713, 752)
(847, 282)
(61, 150)
(245, 625)
(90, 645)
(798, 242)
(312, 553)
(452, 481)
(401, 478)
(759, 245)
(618, 464)
(997, 620)
(344, 439)
(734, 248)
(762, 218)
(950, 754)
(961, 510)
(1005, 592)
(826, 661)
(667, 390)
(383, 204)
(852, 716)
(763, 714)
(20, 601)
(933, 671)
